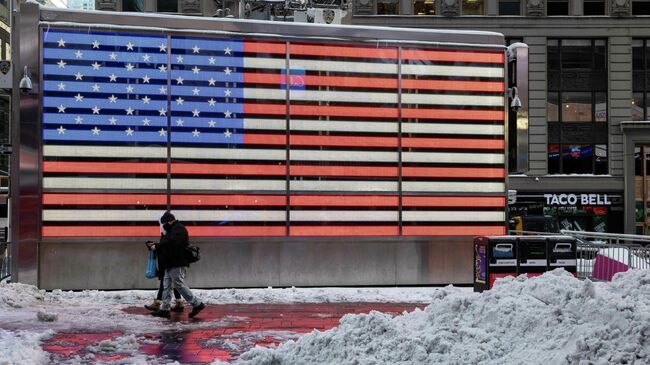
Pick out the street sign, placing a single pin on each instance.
(5, 149)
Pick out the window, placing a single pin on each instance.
(557, 7)
(577, 106)
(167, 6)
(509, 7)
(594, 7)
(388, 7)
(640, 7)
(472, 7)
(133, 5)
(424, 7)
(640, 103)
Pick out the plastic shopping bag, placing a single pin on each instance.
(150, 273)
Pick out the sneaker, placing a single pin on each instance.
(161, 313)
(154, 306)
(178, 306)
(196, 310)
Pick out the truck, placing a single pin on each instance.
(295, 154)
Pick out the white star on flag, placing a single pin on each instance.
(78, 76)
(179, 80)
(227, 114)
(227, 50)
(163, 47)
(113, 78)
(163, 89)
(211, 81)
(129, 131)
(179, 59)
(61, 130)
(113, 120)
(113, 56)
(195, 113)
(212, 102)
(61, 108)
(162, 112)
(129, 46)
(96, 110)
(96, 44)
(129, 111)
(95, 87)
(145, 79)
(196, 70)
(162, 132)
(195, 133)
(212, 60)
(145, 121)
(146, 99)
(78, 119)
(61, 64)
(129, 88)
(227, 92)
(180, 122)
(195, 91)
(162, 68)
(195, 49)
(112, 99)
(61, 86)
(78, 97)
(96, 131)
(227, 133)
(146, 58)
(179, 101)
(61, 43)
(227, 70)
(96, 65)
(212, 123)
(78, 54)
(129, 67)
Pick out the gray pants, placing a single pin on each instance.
(175, 278)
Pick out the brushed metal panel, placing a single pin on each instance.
(435, 261)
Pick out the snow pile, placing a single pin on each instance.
(122, 344)
(22, 348)
(16, 295)
(44, 316)
(551, 319)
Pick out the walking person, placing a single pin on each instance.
(160, 272)
(171, 255)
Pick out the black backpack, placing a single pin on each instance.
(192, 254)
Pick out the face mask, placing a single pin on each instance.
(167, 226)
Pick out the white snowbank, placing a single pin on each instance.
(552, 319)
(22, 348)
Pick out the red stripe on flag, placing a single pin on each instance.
(452, 56)
(104, 167)
(459, 143)
(483, 86)
(454, 201)
(454, 114)
(344, 231)
(374, 171)
(321, 110)
(233, 231)
(312, 80)
(264, 47)
(227, 169)
(104, 199)
(229, 200)
(463, 172)
(453, 230)
(363, 141)
(342, 51)
(344, 200)
(101, 231)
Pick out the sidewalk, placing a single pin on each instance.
(224, 332)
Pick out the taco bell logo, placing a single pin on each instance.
(574, 199)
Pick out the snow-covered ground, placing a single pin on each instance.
(552, 319)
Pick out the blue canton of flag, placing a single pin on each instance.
(104, 87)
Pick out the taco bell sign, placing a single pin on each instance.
(574, 199)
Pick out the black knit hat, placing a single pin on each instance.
(167, 217)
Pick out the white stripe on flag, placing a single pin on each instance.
(441, 99)
(228, 184)
(441, 128)
(112, 183)
(451, 216)
(453, 187)
(343, 126)
(340, 66)
(314, 155)
(343, 215)
(461, 71)
(105, 151)
(228, 153)
(337, 185)
(442, 157)
(149, 215)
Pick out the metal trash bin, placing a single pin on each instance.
(494, 258)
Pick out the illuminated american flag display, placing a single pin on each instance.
(219, 131)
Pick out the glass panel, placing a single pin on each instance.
(472, 7)
(637, 106)
(576, 53)
(647, 53)
(601, 159)
(600, 55)
(557, 8)
(637, 54)
(600, 108)
(576, 107)
(640, 7)
(638, 167)
(577, 159)
(132, 5)
(647, 161)
(388, 7)
(553, 55)
(424, 7)
(167, 6)
(509, 7)
(647, 106)
(553, 158)
(594, 8)
(552, 107)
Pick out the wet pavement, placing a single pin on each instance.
(220, 332)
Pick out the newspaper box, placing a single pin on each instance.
(532, 256)
(562, 253)
(494, 258)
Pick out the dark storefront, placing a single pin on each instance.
(550, 212)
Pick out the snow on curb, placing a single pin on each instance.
(551, 319)
(22, 348)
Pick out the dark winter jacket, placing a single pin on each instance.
(171, 249)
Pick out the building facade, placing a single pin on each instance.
(588, 155)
